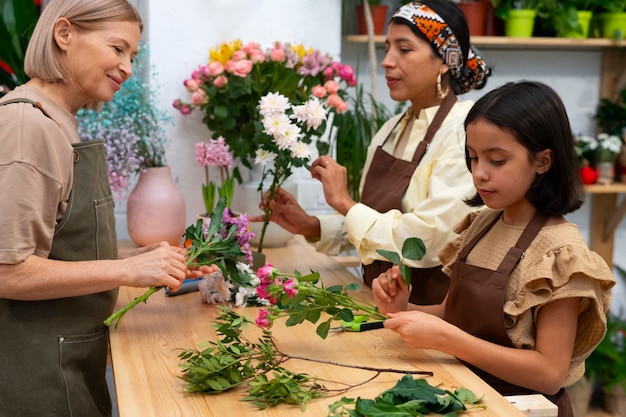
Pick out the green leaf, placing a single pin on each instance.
(392, 257)
(323, 329)
(405, 271)
(413, 248)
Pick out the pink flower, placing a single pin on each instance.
(342, 107)
(291, 287)
(257, 56)
(265, 273)
(191, 85)
(334, 100)
(242, 68)
(215, 68)
(277, 55)
(331, 86)
(263, 319)
(319, 91)
(239, 55)
(220, 81)
(345, 72)
(199, 97)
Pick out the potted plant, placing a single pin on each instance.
(378, 13)
(568, 18)
(519, 15)
(611, 18)
(133, 130)
(17, 21)
(607, 365)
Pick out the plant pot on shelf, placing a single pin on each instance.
(156, 208)
(520, 23)
(612, 25)
(606, 172)
(379, 18)
(474, 11)
(584, 21)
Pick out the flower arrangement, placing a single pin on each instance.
(224, 241)
(603, 148)
(216, 153)
(131, 125)
(288, 129)
(228, 89)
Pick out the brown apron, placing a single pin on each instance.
(56, 350)
(476, 302)
(385, 184)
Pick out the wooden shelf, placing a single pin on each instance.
(615, 188)
(506, 42)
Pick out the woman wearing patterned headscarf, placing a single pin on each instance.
(414, 179)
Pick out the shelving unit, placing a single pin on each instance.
(613, 53)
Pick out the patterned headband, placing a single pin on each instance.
(469, 74)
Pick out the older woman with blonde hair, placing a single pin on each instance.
(59, 263)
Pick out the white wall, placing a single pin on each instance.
(181, 32)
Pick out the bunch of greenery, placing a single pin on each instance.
(17, 22)
(221, 242)
(409, 397)
(611, 114)
(131, 124)
(233, 360)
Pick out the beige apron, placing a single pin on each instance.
(385, 184)
(476, 303)
(54, 351)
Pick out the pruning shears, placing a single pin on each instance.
(359, 324)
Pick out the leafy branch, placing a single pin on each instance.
(217, 245)
(409, 397)
(232, 360)
(413, 248)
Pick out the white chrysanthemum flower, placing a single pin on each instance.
(316, 113)
(275, 123)
(263, 157)
(299, 113)
(301, 150)
(273, 103)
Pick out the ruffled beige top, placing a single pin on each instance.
(558, 264)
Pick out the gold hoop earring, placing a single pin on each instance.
(440, 92)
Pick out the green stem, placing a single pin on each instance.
(117, 316)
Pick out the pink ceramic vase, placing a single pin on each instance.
(156, 209)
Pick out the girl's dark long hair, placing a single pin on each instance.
(535, 115)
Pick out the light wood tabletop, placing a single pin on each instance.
(145, 347)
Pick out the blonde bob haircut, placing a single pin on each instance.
(42, 59)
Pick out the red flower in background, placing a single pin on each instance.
(37, 3)
(6, 67)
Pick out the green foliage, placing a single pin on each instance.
(17, 22)
(232, 360)
(607, 363)
(413, 248)
(410, 397)
(355, 129)
(204, 247)
(308, 301)
(611, 115)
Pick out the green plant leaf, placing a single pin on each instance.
(413, 248)
(392, 257)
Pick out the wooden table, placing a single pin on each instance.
(605, 216)
(144, 353)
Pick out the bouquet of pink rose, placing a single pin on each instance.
(228, 88)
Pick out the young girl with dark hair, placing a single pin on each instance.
(528, 300)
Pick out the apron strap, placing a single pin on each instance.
(441, 114)
(35, 104)
(516, 253)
